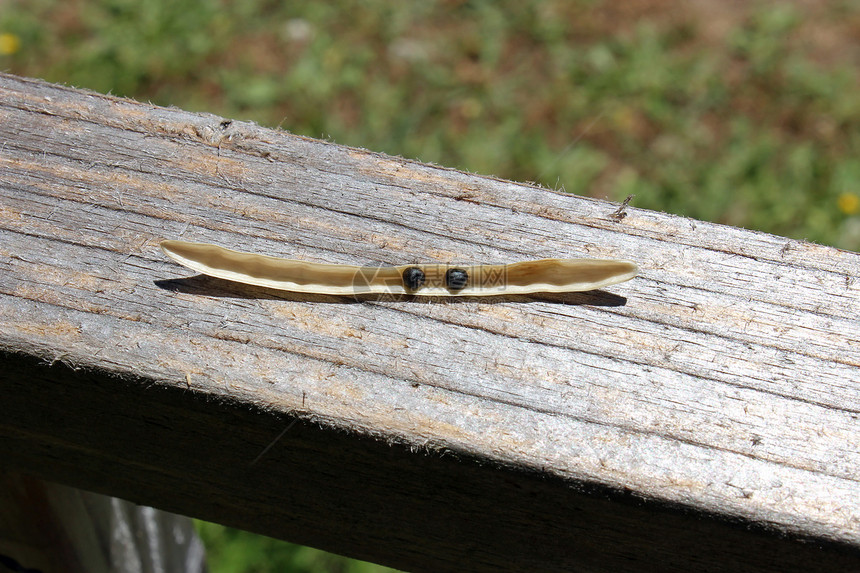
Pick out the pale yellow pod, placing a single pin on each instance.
(429, 279)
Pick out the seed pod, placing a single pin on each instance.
(545, 275)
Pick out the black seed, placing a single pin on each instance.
(413, 278)
(456, 278)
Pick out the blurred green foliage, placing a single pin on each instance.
(233, 551)
(745, 128)
(731, 117)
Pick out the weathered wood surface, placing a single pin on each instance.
(705, 415)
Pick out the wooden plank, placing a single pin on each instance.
(702, 415)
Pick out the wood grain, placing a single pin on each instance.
(704, 415)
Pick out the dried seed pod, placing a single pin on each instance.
(545, 275)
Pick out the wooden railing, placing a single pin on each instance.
(704, 416)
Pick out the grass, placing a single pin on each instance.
(740, 114)
(750, 127)
(234, 551)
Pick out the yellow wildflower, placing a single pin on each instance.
(9, 44)
(848, 203)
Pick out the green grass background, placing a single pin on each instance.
(740, 113)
